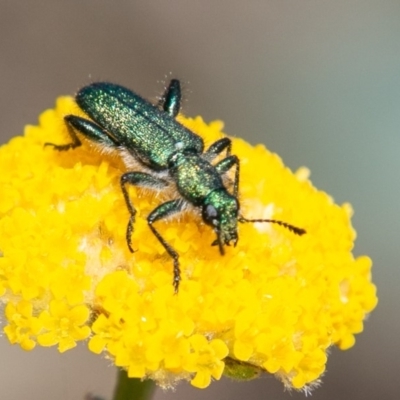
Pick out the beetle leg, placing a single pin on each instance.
(170, 101)
(162, 211)
(217, 148)
(88, 129)
(225, 165)
(137, 179)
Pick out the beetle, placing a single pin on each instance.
(169, 154)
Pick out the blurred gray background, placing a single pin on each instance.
(317, 81)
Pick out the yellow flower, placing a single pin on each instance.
(63, 325)
(276, 302)
(22, 325)
(205, 359)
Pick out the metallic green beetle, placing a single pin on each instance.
(169, 153)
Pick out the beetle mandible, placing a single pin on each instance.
(121, 120)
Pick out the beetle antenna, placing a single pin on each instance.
(292, 228)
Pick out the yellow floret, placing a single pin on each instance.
(276, 302)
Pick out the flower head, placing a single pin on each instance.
(276, 302)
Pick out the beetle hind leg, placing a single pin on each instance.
(170, 101)
(88, 129)
(63, 147)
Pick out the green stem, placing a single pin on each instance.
(132, 388)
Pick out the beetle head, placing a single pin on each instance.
(220, 210)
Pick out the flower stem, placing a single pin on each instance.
(132, 388)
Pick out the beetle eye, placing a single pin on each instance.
(210, 215)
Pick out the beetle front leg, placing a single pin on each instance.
(217, 148)
(88, 129)
(137, 179)
(163, 211)
(225, 165)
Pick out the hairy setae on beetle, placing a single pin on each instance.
(120, 120)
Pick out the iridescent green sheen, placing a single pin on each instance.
(170, 156)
